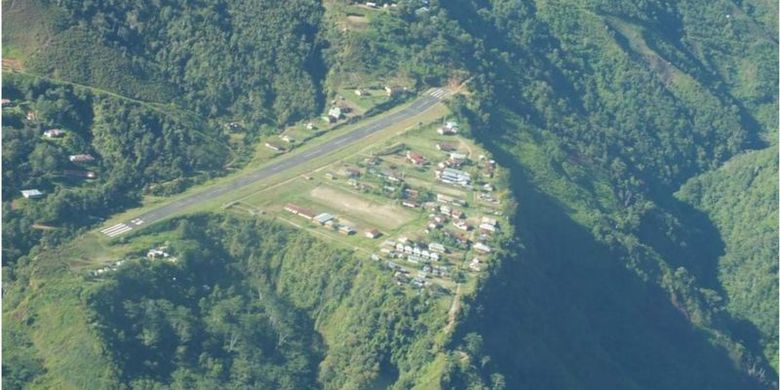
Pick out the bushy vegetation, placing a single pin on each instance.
(245, 304)
(135, 146)
(601, 110)
(741, 200)
(257, 61)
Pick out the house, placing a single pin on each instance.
(274, 147)
(233, 126)
(310, 126)
(489, 221)
(410, 204)
(390, 91)
(5, 102)
(297, 210)
(361, 92)
(306, 213)
(287, 138)
(459, 214)
(457, 157)
(32, 193)
(486, 227)
(474, 265)
(372, 233)
(449, 128)
(53, 133)
(78, 158)
(352, 172)
(482, 247)
(31, 116)
(323, 218)
(334, 114)
(157, 253)
(436, 247)
(454, 176)
(415, 158)
(462, 225)
(445, 147)
(446, 199)
(346, 230)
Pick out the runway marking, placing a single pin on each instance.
(120, 231)
(112, 228)
(117, 229)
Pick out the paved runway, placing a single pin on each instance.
(282, 164)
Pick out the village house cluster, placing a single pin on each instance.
(53, 135)
(330, 221)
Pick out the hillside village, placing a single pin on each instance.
(428, 205)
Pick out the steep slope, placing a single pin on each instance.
(257, 61)
(741, 199)
(602, 113)
(245, 303)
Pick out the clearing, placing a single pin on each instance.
(382, 214)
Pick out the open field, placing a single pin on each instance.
(382, 214)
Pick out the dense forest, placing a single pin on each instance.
(640, 139)
(254, 61)
(244, 304)
(136, 148)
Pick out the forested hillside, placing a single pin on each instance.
(603, 111)
(244, 304)
(741, 200)
(137, 148)
(639, 138)
(255, 61)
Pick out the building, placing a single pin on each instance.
(274, 147)
(410, 204)
(346, 230)
(156, 253)
(352, 172)
(287, 138)
(455, 156)
(459, 214)
(489, 221)
(31, 116)
(53, 133)
(485, 227)
(462, 225)
(5, 102)
(445, 147)
(373, 233)
(454, 176)
(449, 128)
(361, 92)
(79, 158)
(323, 218)
(474, 265)
(32, 193)
(334, 114)
(390, 91)
(482, 247)
(415, 158)
(436, 247)
(446, 199)
(297, 210)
